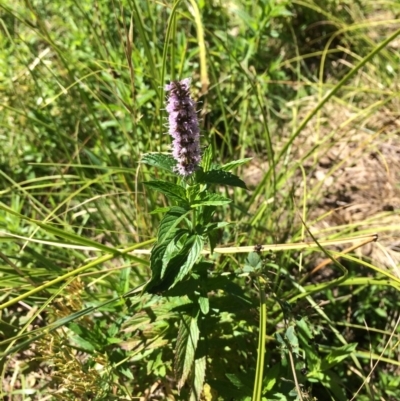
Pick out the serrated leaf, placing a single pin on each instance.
(169, 222)
(186, 344)
(221, 177)
(236, 163)
(156, 259)
(195, 244)
(172, 250)
(170, 190)
(211, 200)
(199, 373)
(156, 256)
(159, 160)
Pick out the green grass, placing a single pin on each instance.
(288, 83)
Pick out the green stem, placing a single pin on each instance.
(257, 392)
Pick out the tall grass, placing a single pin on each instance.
(287, 83)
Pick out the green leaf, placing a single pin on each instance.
(211, 200)
(159, 160)
(169, 222)
(247, 269)
(126, 372)
(215, 226)
(204, 304)
(305, 336)
(292, 338)
(156, 261)
(271, 378)
(221, 177)
(199, 373)
(186, 344)
(234, 380)
(254, 260)
(236, 163)
(173, 249)
(192, 191)
(170, 190)
(333, 382)
(206, 159)
(304, 329)
(160, 210)
(196, 244)
(280, 11)
(337, 355)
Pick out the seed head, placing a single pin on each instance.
(183, 127)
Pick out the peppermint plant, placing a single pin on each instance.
(188, 225)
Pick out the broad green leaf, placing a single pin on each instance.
(221, 177)
(171, 262)
(206, 215)
(196, 244)
(156, 260)
(170, 190)
(159, 160)
(169, 222)
(236, 163)
(271, 378)
(211, 200)
(292, 338)
(188, 337)
(199, 373)
(337, 355)
(204, 304)
(254, 260)
(173, 249)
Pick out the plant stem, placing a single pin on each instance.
(257, 392)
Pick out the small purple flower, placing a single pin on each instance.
(183, 127)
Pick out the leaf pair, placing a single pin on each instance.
(175, 253)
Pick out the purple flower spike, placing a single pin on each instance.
(183, 127)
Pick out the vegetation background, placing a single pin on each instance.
(309, 89)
